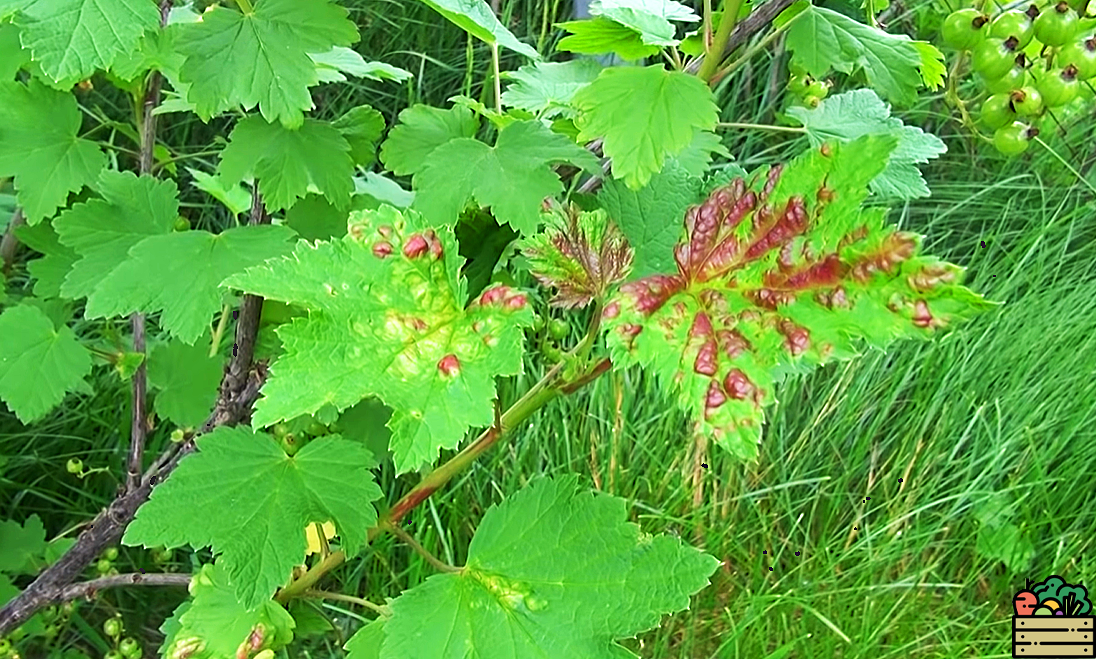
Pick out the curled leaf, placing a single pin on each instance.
(581, 254)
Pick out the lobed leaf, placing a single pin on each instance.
(513, 177)
(649, 18)
(102, 231)
(478, 19)
(289, 162)
(71, 39)
(255, 501)
(213, 624)
(600, 35)
(242, 60)
(40, 148)
(180, 274)
(421, 130)
(547, 88)
(187, 378)
(387, 317)
(645, 114)
(39, 364)
(860, 112)
(552, 571)
(778, 274)
(581, 254)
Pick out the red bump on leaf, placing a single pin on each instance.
(650, 293)
(449, 365)
(791, 223)
(612, 310)
(931, 276)
(796, 339)
(769, 298)
(494, 295)
(702, 327)
(922, 317)
(385, 231)
(255, 640)
(415, 246)
(773, 178)
(713, 398)
(516, 302)
(705, 363)
(734, 344)
(382, 249)
(826, 195)
(738, 385)
(434, 243)
(826, 150)
(897, 247)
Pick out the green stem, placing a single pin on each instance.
(245, 6)
(781, 129)
(498, 81)
(726, 25)
(215, 344)
(339, 597)
(407, 539)
(753, 50)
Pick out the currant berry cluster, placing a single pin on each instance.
(124, 648)
(805, 91)
(1029, 62)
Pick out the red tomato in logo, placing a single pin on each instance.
(1025, 603)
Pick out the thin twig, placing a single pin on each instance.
(88, 589)
(10, 241)
(438, 564)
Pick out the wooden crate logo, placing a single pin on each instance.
(1052, 620)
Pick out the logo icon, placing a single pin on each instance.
(1052, 620)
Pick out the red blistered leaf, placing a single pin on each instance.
(777, 272)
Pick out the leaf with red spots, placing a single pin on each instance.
(580, 254)
(778, 273)
(388, 317)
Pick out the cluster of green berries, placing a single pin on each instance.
(1029, 62)
(293, 435)
(552, 331)
(124, 648)
(805, 91)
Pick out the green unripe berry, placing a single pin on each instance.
(102, 566)
(111, 553)
(5, 647)
(558, 329)
(182, 224)
(75, 466)
(178, 435)
(280, 430)
(112, 627)
(552, 352)
(113, 654)
(130, 648)
(819, 88)
(317, 429)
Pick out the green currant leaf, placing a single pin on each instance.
(365, 644)
(600, 35)
(421, 130)
(580, 254)
(289, 162)
(21, 547)
(49, 271)
(650, 18)
(12, 55)
(697, 157)
(478, 19)
(255, 501)
(822, 39)
(847, 116)
(651, 216)
(387, 317)
(102, 231)
(382, 189)
(236, 59)
(213, 624)
(778, 275)
(513, 177)
(552, 571)
(933, 70)
(547, 88)
(234, 197)
(39, 147)
(187, 378)
(645, 114)
(39, 364)
(71, 39)
(362, 128)
(180, 273)
(314, 218)
(331, 65)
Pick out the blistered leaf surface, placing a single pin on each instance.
(580, 254)
(254, 502)
(777, 274)
(553, 571)
(387, 317)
